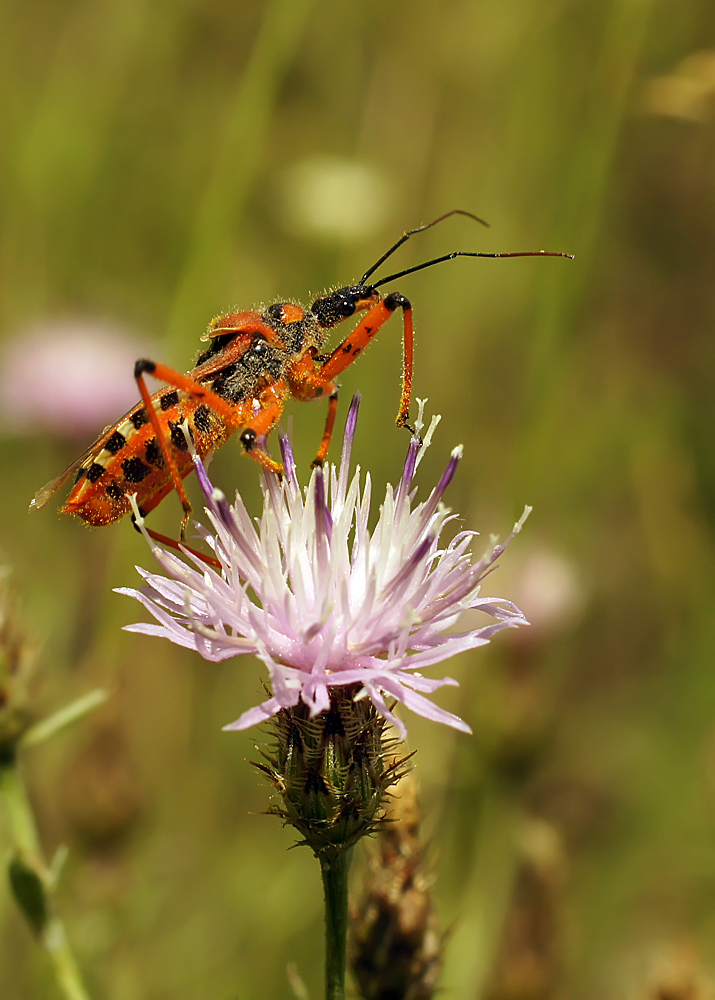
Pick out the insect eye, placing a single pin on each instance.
(347, 307)
(259, 348)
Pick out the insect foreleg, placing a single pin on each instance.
(355, 343)
(328, 432)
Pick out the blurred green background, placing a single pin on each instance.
(160, 162)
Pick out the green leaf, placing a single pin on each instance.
(29, 891)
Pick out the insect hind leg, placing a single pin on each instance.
(142, 367)
(173, 543)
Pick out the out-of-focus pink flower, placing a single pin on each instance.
(324, 601)
(548, 588)
(67, 378)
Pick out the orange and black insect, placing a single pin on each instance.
(255, 361)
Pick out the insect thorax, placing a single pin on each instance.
(290, 332)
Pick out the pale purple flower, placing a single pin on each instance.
(321, 598)
(68, 378)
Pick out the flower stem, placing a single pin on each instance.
(334, 867)
(64, 964)
(35, 885)
(19, 812)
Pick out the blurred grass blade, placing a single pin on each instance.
(235, 164)
(587, 176)
(57, 864)
(65, 717)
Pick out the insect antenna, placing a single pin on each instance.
(420, 229)
(468, 253)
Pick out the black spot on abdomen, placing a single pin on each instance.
(115, 490)
(178, 438)
(203, 418)
(135, 470)
(168, 400)
(153, 453)
(95, 471)
(115, 443)
(139, 418)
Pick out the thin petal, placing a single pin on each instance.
(254, 716)
(322, 597)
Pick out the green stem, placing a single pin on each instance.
(21, 820)
(26, 841)
(334, 867)
(64, 965)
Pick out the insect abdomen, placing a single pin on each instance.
(129, 458)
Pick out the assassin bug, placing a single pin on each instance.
(255, 361)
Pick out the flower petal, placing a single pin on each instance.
(324, 599)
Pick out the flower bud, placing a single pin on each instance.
(397, 948)
(332, 770)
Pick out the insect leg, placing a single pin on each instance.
(262, 423)
(328, 432)
(229, 413)
(139, 369)
(180, 547)
(353, 345)
(408, 340)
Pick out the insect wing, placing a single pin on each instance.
(228, 355)
(231, 352)
(49, 489)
